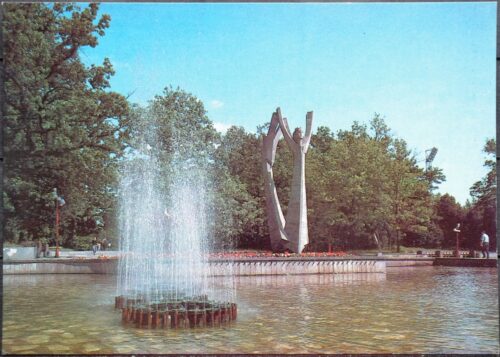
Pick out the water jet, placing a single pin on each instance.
(164, 279)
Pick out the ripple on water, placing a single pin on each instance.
(37, 339)
(22, 349)
(314, 346)
(10, 334)
(58, 348)
(54, 330)
(67, 335)
(378, 330)
(282, 347)
(125, 349)
(117, 339)
(91, 347)
(360, 321)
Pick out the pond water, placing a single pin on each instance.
(412, 310)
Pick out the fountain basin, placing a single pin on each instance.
(175, 313)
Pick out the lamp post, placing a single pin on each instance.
(430, 154)
(59, 202)
(457, 231)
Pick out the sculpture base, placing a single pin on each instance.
(176, 313)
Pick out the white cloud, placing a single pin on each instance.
(216, 104)
(221, 127)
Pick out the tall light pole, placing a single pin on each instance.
(430, 154)
(59, 202)
(457, 231)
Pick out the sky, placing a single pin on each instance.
(427, 68)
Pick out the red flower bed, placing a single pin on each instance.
(254, 254)
(251, 254)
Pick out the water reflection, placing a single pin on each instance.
(413, 310)
(288, 281)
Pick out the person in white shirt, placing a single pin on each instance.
(485, 245)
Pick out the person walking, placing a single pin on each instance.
(104, 244)
(39, 249)
(95, 247)
(485, 245)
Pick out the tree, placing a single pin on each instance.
(434, 176)
(484, 191)
(189, 149)
(449, 213)
(240, 154)
(411, 200)
(347, 187)
(363, 198)
(482, 213)
(184, 131)
(365, 189)
(63, 127)
(318, 201)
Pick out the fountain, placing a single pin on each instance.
(164, 276)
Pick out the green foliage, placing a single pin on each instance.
(364, 188)
(82, 242)
(483, 192)
(240, 182)
(449, 213)
(185, 130)
(363, 185)
(238, 219)
(282, 171)
(482, 211)
(187, 141)
(63, 127)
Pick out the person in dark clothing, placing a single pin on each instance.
(104, 244)
(95, 247)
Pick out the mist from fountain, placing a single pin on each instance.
(165, 238)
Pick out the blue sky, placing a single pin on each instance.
(428, 68)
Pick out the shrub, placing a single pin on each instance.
(82, 242)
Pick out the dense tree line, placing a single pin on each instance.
(65, 128)
(480, 214)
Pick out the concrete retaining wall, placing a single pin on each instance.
(88, 253)
(466, 262)
(19, 253)
(393, 263)
(59, 266)
(239, 267)
(296, 267)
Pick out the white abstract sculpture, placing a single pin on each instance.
(290, 233)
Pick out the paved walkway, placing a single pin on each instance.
(87, 254)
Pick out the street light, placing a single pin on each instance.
(457, 231)
(59, 202)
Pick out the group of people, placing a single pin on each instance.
(99, 245)
(42, 249)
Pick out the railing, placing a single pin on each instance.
(449, 253)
